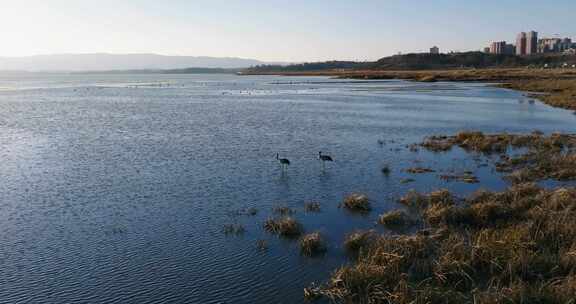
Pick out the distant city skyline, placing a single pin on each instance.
(273, 30)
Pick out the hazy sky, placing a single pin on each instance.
(291, 30)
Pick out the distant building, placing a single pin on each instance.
(531, 43)
(501, 47)
(434, 50)
(487, 50)
(510, 49)
(521, 44)
(554, 45)
(549, 45)
(498, 47)
(527, 43)
(566, 44)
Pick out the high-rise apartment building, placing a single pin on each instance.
(521, 44)
(501, 47)
(498, 47)
(531, 43)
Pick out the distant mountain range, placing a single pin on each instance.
(111, 62)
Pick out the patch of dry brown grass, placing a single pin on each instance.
(395, 219)
(284, 226)
(312, 244)
(514, 246)
(359, 240)
(357, 202)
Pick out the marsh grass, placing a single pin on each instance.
(358, 240)
(357, 202)
(395, 219)
(312, 244)
(514, 246)
(285, 226)
(559, 92)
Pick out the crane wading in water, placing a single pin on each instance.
(324, 159)
(284, 162)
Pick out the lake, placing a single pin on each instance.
(116, 188)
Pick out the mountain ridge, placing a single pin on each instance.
(73, 62)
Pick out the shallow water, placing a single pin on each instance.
(115, 188)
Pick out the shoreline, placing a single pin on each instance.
(556, 88)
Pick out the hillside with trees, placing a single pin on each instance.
(424, 61)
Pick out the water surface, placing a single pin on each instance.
(115, 188)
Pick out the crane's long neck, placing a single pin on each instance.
(277, 156)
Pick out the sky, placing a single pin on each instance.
(273, 30)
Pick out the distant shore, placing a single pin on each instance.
(558, 85)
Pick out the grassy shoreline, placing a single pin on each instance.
(511, 246)
(555, 87)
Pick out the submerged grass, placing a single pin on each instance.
(312, 207)
(233, 229)
(283, 210)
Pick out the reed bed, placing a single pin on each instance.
(312, 244)
(285, 226)
(395, 219)
(357, 202)
(514, 246)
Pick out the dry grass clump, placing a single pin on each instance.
(395, 219)
(359, 240)
(357, 202)
(312, 207)
(417, 200)
(312, 244)
(514, 246)
(284, 226)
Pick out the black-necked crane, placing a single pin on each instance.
(284, 162)
(324, 158)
